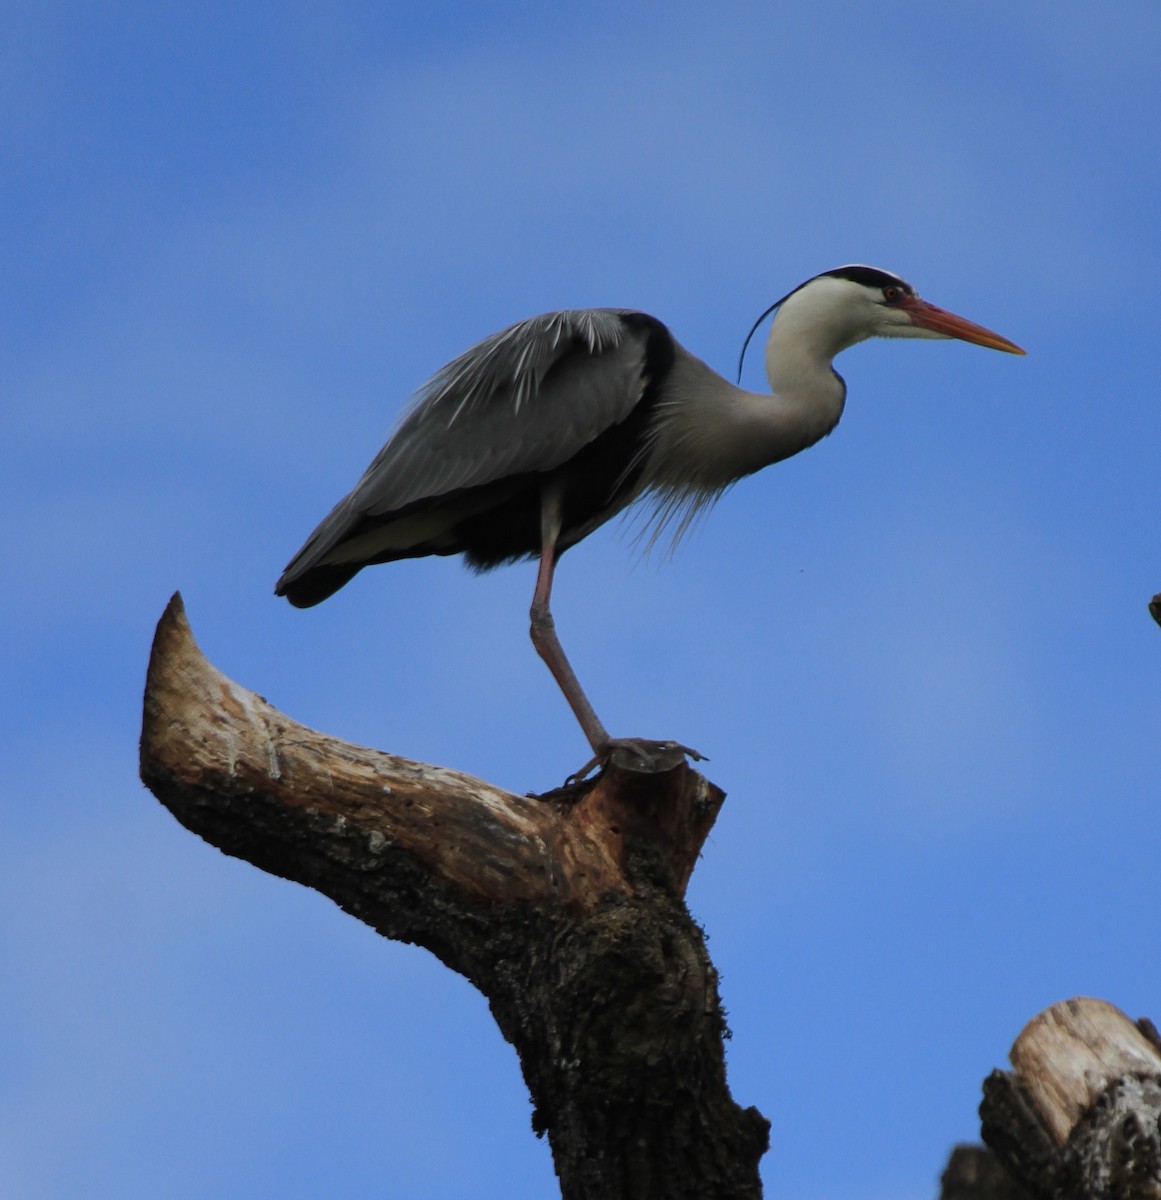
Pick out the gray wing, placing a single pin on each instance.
(526, 399)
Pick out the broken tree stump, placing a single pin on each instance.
(565, 910)
(1079, 1117)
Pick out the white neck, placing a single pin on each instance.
(708, 433)
(811, 327)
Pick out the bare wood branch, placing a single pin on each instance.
(565, 910)
(1080, 1116)
(1069, 1054)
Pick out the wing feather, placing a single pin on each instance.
(526, 399)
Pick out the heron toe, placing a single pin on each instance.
(646, 756)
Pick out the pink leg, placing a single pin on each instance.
(549, 648)
(649, 754)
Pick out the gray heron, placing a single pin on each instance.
(532, 439)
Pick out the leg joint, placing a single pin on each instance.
(542, 626)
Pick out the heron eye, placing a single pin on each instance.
(892, 294)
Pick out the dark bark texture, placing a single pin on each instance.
(974, 1173)
(565, 910)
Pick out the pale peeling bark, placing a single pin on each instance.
(1079, 1117)
(566, 910)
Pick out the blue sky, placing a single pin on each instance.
(238, 237)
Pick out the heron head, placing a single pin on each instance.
(838, 308)
(868, 302)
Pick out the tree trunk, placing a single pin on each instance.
(565, 910)
(1080, 1116)
(974, 1173)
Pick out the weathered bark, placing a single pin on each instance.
(1080, 1116)
(565, 910)
(974, 1173)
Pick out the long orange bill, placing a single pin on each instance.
(939, 320)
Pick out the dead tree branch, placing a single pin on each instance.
(1079, 1117)
(565, 910)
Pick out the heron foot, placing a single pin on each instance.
(637, 754)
